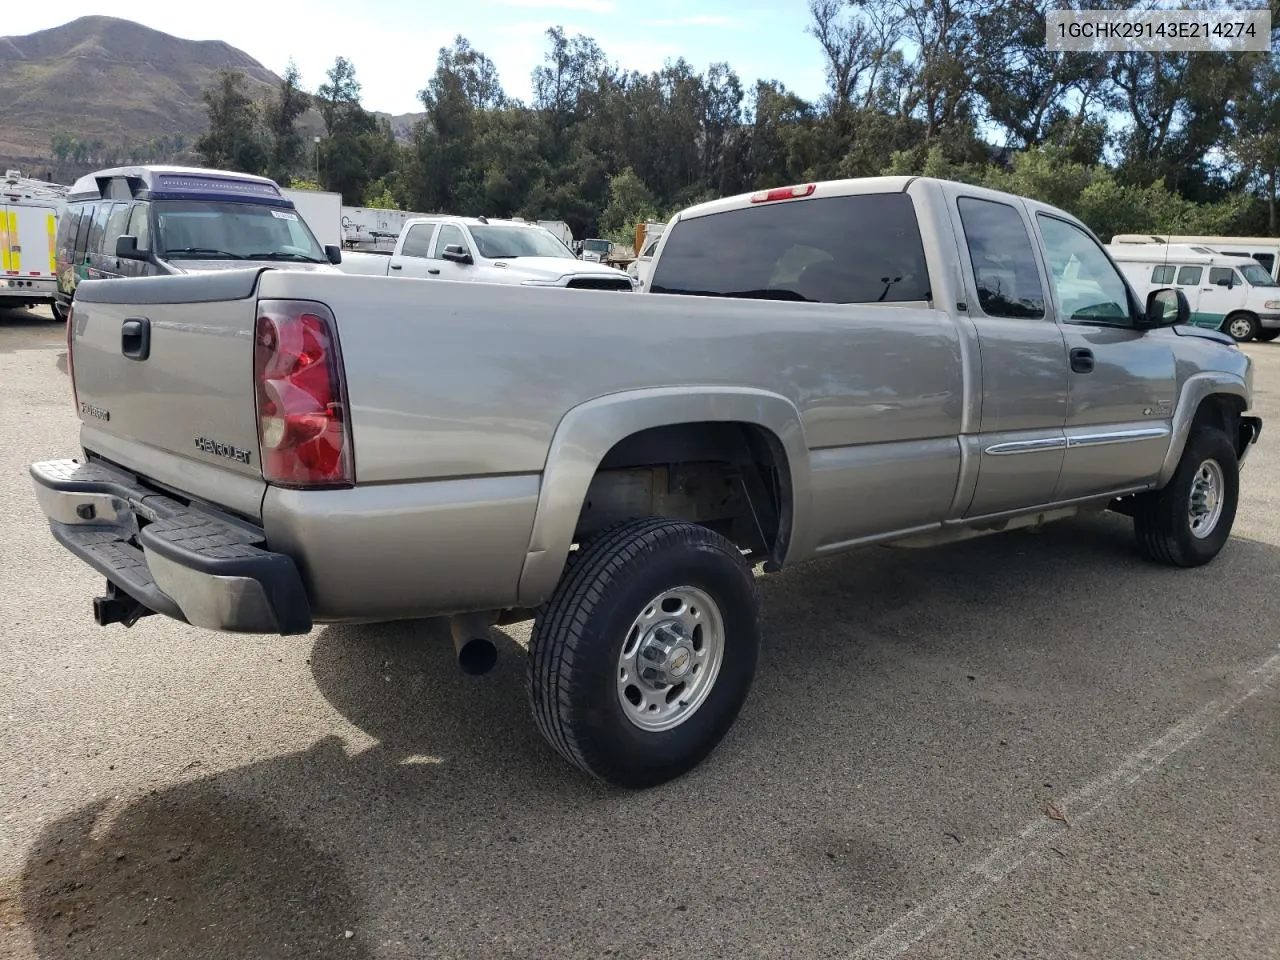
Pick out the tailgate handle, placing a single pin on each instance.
(135, 338)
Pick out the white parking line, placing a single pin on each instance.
(981, 878)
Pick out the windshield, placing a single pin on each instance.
(1257, 276)
(502, 242)
(596, 246)
(218, 230)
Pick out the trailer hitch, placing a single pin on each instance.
(118, 607)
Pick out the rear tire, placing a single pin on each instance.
(1241, 327)
(1266, 336)
(643, 657)
(1188, 522)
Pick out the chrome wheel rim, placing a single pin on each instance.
(1204, 507)
(1240, 327)
(670, 658)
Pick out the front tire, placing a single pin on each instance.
(1188, 522)
(643, 657)
(1241, 327)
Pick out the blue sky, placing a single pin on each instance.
(393, 43)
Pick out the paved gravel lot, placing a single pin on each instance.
(167, 792)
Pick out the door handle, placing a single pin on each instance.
(1082, 360)
(433, 270)
(395, 266)
(135, 338)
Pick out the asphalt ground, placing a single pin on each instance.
(168, 792)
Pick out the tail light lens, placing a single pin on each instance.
(303, 429)
(71, 359)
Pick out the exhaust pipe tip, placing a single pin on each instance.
(477, 653)
(477, 656)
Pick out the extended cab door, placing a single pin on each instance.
(1021, 443)
(1122, 381)
(412, 256)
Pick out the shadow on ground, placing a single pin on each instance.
(909, 711)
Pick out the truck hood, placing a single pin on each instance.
(553, 268)
(212, 266)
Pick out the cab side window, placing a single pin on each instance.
(1089, 288)
(1004, 267)
(1189, 276)
(1223, 276)
(417, 242)
(1162, 274)
(450, 235)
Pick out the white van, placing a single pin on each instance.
(1232, 294)
(1265, 250)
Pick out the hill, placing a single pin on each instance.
(112, 81)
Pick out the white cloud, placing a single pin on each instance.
(698, 20)
(587, 6)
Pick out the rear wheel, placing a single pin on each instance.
(644, 655)
(1188, 522)
(1242, 327)
(1266, 336)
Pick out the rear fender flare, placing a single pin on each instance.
(1197, 388)
(589, 431)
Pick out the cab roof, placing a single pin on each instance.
(152, 182)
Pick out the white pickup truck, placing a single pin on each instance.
(486, 251)
(900, 361)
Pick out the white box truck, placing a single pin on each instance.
(321, 210)
(29, 211)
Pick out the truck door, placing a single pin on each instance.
(1221, 293)
(1024, 357)
(450, 234)
(1121, 380)
(1187, 279)
(413, 257)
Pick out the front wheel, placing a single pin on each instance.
(1242, 327)
(1188, 522)
(643, 657)
(1266, 336)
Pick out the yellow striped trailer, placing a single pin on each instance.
(28, 267)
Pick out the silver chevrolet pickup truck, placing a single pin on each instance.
(895, 361)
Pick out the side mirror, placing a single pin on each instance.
(127, 248)
(456, 254)
(1167, 307)
(333, 252)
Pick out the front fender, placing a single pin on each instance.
(1194, 391)
(592, 429)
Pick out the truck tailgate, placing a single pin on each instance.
(163, 377)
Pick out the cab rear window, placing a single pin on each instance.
(859, 249)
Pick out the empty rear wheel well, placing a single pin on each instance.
(729, 476)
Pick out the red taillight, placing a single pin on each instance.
(302, 410)
(71, 360)
(784, 193)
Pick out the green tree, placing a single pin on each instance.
(357, 149)
(234, 139)
(630, 202)
(1256, 126)
(284, 142)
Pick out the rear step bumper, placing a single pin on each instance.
(184, 562)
